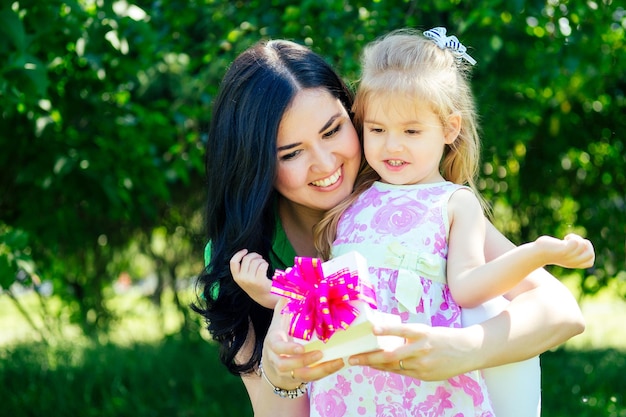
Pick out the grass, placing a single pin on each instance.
(584, 383)
(169, 378)
(141, 371)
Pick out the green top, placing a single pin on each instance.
(282, 253)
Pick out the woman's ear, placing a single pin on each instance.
(453, 127)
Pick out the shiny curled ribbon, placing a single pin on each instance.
(318, 303)
(438, 35)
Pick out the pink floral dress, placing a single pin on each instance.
(402, 230)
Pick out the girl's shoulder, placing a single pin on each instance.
(463, 199)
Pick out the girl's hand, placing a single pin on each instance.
(571, 252)
(429, 353)
(249, 271)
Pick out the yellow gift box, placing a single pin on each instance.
(332, 306)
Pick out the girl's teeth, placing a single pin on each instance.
(395, 163)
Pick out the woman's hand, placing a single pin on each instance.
(429, 353)
(249, 271)
(285, 362)
(286, 365)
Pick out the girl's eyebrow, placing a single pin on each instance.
(330, 121)
(407, 123)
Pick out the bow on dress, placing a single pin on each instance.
(411, 265)
(318, 303)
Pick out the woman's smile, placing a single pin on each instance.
(328, 181)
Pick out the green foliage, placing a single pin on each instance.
(104, 106)
(561, 165)
(101, 153)
(14, 255)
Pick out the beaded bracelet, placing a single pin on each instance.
(281, 392)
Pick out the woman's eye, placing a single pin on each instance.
(291, 155)
(332, 132)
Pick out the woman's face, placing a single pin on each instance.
(318, 151)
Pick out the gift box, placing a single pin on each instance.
(332, 306)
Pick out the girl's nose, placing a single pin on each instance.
(393, 143)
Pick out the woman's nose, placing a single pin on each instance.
(323, 159)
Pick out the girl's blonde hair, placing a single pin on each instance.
(406, 64)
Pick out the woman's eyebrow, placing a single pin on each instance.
(287, 147)
(330, 122)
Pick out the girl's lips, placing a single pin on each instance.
(394, 164)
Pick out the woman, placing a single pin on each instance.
(281, 151)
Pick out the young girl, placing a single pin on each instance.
(418, 219)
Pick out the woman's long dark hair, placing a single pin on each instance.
(241, 160)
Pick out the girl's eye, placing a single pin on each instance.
(376, 130)
(291, 155)
(332, 132)
(412, 132)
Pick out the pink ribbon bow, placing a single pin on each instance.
(319, 303)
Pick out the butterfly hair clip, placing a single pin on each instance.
(438, 35)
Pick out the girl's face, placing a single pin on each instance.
(404, 140)
(318, 151)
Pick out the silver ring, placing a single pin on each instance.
(402, 365)
(292, 375)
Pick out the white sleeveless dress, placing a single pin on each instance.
(402, 230)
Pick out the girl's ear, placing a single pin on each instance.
(453, 127)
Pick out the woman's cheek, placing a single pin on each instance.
(290, 175)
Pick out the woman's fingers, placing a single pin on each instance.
(412, 334)
(429, 353)
(319, 371)
(287, 360)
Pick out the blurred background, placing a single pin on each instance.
(104, 110)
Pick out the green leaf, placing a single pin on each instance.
(11, 26)
(15, 239)
(7, 272)
(36, 72)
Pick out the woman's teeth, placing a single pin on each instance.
(327, 182)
